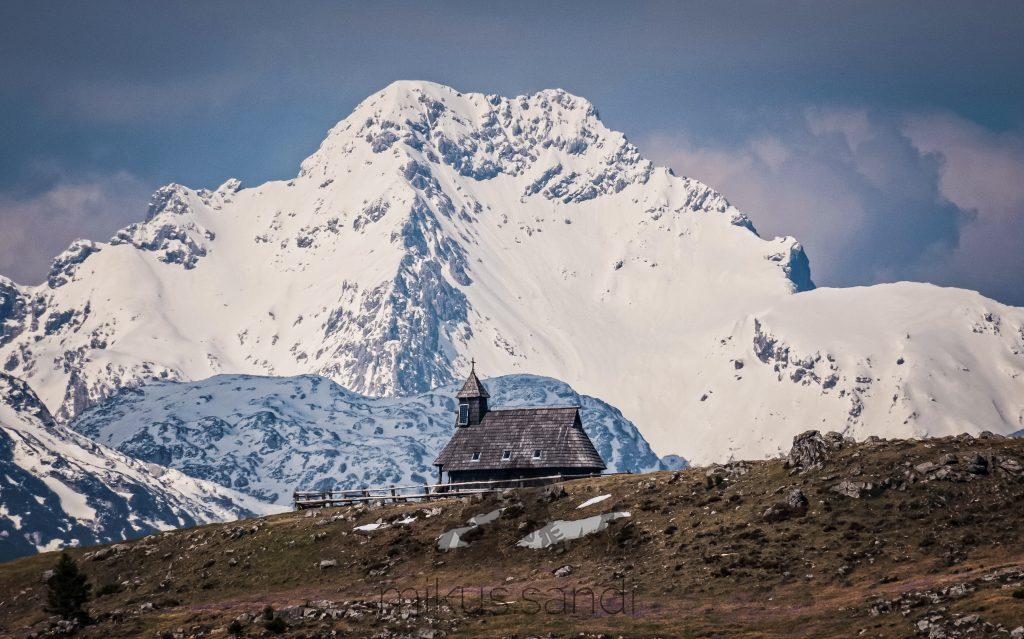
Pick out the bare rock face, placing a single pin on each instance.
(811, 448)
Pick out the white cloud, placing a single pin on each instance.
(35, 228)
(982, 171)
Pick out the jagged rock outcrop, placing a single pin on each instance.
(811, 448)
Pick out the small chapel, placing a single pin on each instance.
(514, 443)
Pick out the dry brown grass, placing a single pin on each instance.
(721, 571)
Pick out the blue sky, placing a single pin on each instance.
(887, 137)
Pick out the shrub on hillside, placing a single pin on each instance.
(68, 591)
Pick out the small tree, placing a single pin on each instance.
(68, 590)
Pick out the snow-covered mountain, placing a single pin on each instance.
(899, 360)
(58, 488)
(432, 225)
(268, 436)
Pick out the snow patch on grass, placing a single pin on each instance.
(562, 530)
(593, 500)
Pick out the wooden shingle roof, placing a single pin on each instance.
(472, 388)
(556, 432)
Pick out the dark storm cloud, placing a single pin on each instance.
(198, 92)
(877, 198)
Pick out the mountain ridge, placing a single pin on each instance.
(431, 226)
(60, 488)
(267, 437)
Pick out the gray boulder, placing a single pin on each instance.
(858, 489)
(795, 505)
(811, 448)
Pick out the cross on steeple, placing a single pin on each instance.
(472, 386)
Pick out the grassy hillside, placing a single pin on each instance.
(876, 539)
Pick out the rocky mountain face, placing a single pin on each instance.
(267, 436)
(433, 225)
(58, 488)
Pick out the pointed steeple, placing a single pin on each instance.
(473, 388)
(472, 399)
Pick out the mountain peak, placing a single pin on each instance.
(400, 90)
(414, 110)
(390, 254)
(431, 224)
(552, 138)
(413, 94)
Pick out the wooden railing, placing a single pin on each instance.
(419, 492)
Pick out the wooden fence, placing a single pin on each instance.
(419, 492)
